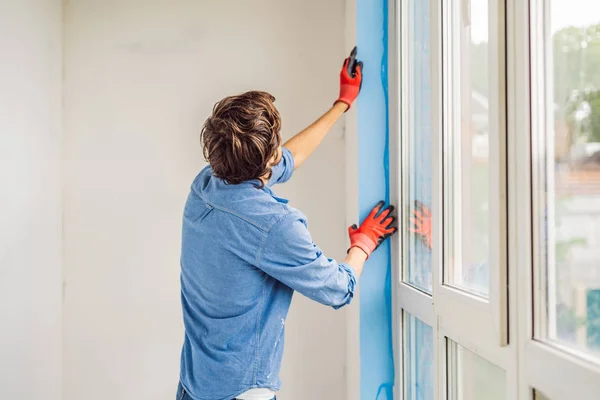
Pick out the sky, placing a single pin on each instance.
(563, 13)
(574, 13)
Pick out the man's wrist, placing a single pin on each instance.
(357, 251)
(341, 106)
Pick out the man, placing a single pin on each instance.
(245, 250)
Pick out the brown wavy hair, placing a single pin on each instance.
(242, 136)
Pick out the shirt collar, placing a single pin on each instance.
(279, 199)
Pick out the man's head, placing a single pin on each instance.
(241, 139)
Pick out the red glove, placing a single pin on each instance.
(374, 229)
(350, 79)
(422, 223)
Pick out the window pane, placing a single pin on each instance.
(417, 142)
(470, 377)
(418, 368)
(568, 179)
(468, 171)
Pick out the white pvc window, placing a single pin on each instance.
(567, 182)
(452, 271)
(564, 337)
(473, 162)
(473, 378)
(495, 133)
(416, 146)
(469, 173)
(419, 367)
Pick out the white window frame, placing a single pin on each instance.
(488, 317)
(477, 324)
(502, 330)
(554, 371)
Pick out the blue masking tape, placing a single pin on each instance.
(376, 342)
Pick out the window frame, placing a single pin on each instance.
(479, 326)
(489, 315)
(529, 364)
(539, 362)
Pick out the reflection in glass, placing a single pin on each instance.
(418, 358)
(568, 180)
(469, 155)
(417, 140)
(471, 377)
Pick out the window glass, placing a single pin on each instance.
(418, 369)
(468, 168)
(471, 377)
(417, 144)
(567, 181)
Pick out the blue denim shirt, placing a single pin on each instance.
(244, 252)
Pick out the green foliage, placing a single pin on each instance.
(563, 247)
(576, 77)
(593, 319)
(576, 54)
(588, 128)
(567, 322)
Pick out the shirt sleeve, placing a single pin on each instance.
(289, 255)
(282, 172)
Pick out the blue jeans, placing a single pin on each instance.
(182, 394)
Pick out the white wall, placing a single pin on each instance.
(352, 216)
(30, 211)
(141, 77)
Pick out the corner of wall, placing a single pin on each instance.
(352, 212)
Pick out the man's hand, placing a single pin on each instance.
(304, 143)
(350, 79)
(374, 230)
